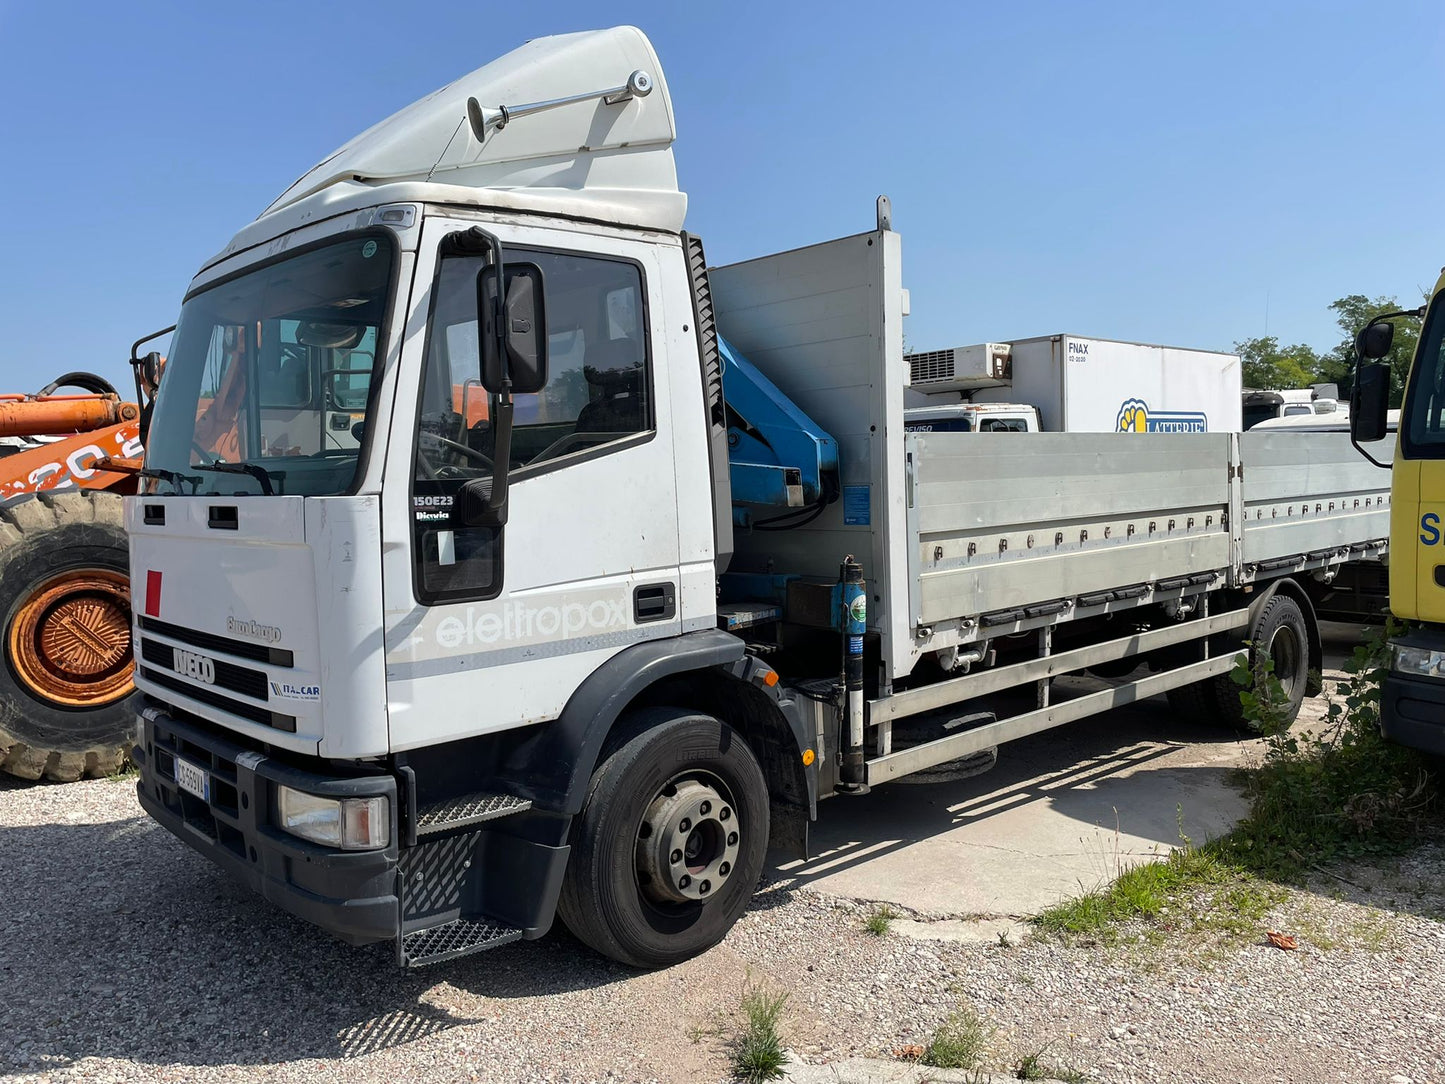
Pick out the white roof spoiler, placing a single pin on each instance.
(603, 151)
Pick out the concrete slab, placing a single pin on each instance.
(1063, 812)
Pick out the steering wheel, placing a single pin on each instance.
(470, 453)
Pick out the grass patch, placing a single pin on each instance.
(958, 1043)
(879, 920)
(125, 773)
(1032, 1067)
(1340, 793)
(758, 1050)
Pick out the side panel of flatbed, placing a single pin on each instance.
(1008, 522)
(1307, 493)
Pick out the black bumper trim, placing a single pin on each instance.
(350, 894)
(1412, 712)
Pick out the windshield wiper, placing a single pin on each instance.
(262, 476)
(175, 478)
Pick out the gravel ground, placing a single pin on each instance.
(128, 958)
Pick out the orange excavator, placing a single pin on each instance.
(66, 683)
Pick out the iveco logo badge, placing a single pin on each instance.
(198, 667)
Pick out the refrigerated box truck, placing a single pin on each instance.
(1089, 385)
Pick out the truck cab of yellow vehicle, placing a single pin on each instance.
(1412, 709)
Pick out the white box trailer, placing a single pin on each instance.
(1088, 385)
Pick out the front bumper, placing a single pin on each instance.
(351, 894)
(1412, 711)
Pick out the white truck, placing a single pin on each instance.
(1080, 384)
(972, 418)
(598, 601)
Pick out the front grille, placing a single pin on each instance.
(274, 656)
(218, 819)
(238, 679)
(204, 695)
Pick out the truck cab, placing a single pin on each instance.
(1412, 709)
(972, 418)
(377, 545)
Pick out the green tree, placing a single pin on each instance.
(1354, 312)
(1269, 366)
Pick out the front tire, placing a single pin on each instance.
(670, 843)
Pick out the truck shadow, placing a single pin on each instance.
(119, 942)
(1136, 775)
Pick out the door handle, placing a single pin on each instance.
(654, 602)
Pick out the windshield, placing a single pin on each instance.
(267, 385)
(1423, 427)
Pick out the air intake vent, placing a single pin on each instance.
(988, 365)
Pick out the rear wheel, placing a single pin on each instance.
(66, 685)
(1279, 633)
(669, 845)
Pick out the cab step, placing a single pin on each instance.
(459, 937)
(467, 809)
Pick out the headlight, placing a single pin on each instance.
(1409, 659)
(353, 824)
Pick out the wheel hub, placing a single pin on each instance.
(1285, 652)
(69, 640)
(687, 844)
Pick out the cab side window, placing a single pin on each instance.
(598, 398)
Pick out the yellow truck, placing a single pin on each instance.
(1412, 709)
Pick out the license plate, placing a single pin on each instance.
(193, 779)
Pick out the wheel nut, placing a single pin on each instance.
(685, 826)
(732, 839)
(684, 881)
(704, 887)
(724, 813)
(724, 869)
(705, 808)
(675, 857)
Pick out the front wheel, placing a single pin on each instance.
(670, 842)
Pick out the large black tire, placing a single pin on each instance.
(1281, 632)
(49, 539)
(610, 898)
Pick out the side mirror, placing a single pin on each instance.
(1370, 402)
(1374, 339)
(524, 337)
(150, 369)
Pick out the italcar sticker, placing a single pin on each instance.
(284, 690)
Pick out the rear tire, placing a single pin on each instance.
(670, 843)
(66, 695)
(1280, 632)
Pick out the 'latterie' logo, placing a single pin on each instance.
(1136, 417)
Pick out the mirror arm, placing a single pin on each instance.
(1367, 455)
(492, 513)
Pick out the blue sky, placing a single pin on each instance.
(1183, 173)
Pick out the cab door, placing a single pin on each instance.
(494, 627)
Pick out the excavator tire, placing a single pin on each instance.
(66, 691)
